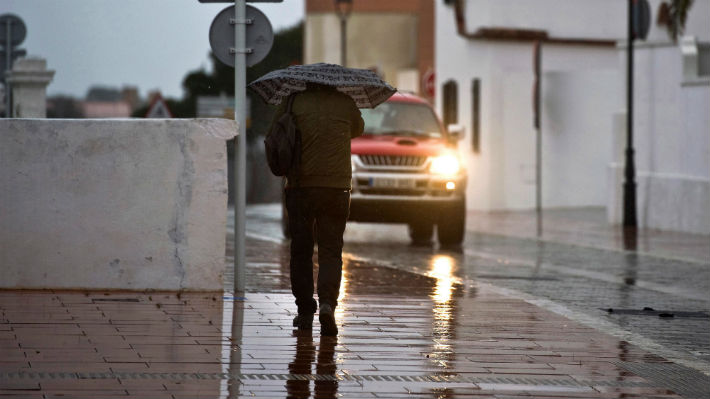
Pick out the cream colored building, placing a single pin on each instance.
(395, 38)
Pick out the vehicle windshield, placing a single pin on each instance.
(401, 119)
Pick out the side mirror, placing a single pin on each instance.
(455, 131)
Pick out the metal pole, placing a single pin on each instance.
(343, 40)
(538, 180)
(629, 217)
(237, 333)
(240, 69)
(8, 65)
(538, 136)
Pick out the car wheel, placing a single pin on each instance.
(421, 232)
(451, 227)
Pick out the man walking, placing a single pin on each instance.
(319, 195)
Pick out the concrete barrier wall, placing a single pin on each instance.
(113, 204)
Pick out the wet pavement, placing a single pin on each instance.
(588, 227)
(574, 274)
(506, 316)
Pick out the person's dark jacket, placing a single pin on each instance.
(327, 119)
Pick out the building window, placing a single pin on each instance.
(476, 115)
(450, 94)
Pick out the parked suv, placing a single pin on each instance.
(406, 170)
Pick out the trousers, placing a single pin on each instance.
(316, 214)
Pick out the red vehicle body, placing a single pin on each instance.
(406, 170)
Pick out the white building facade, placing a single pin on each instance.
(671, 128)
(484, 55)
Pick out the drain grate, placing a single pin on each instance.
(94, 300)
(657, 313)
(689, 383)
(490, 382)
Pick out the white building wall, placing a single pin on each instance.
(580, 90)
(583, 110)
(576, 136)
(600, 19)
(671, 133)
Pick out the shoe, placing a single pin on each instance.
(327, 321)
(303, 321)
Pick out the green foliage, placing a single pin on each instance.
(64, 107)
(287, 50)
(674, 15)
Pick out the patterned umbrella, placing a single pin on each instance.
(364, 86)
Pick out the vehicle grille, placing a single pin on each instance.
(392, 160)
(392, 191)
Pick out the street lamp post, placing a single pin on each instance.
(638, 23)
(629, 216)
(343, 9)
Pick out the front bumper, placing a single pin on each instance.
(404, 197)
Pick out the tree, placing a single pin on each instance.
(674, 15)
(287, 50)
(64, 107)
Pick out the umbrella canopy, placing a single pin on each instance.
(364, 86)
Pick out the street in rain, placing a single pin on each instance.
(355, 199)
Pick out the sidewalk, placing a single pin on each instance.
(401, 335)
(589, 227)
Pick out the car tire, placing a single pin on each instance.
(451, 227)
(421, 232)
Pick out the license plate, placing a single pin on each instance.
(381, 182)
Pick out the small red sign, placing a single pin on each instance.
(429, 82)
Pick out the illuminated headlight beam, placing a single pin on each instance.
(447, 165)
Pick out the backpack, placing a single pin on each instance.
(283, 143)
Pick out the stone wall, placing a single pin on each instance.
(113, 204)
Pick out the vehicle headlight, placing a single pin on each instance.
(446, 165)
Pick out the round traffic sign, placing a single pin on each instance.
(259, 36)
(641, 17)
(17, 31)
